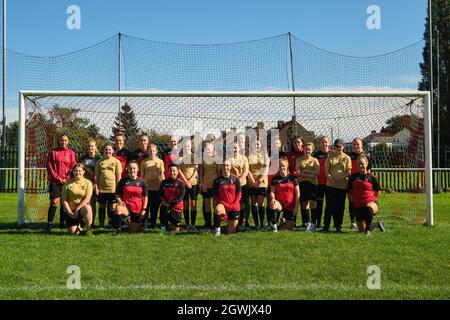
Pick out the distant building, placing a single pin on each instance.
(288, 130)
(375, 138)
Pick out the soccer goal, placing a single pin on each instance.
(395, 128)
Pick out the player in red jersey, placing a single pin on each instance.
(60, 162)
(283, 197)
(363, 190)
(121, 153)
(131, 199)
(171, 194)
(321, 155)
(227, 195)
(295, 153)
(357, 151)
(142, 153)
(171, 155)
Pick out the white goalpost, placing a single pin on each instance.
(335, 114)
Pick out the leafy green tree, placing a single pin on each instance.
(441, 24)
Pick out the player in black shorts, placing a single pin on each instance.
(363, 190)
(171, 194)
(357, 151)
(283, 197)
(131, 198)
(227, 195)
(321, 155)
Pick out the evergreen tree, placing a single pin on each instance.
(126, 123)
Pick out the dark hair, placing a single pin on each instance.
(132, 162)
(292, 142)
(173, 165)
(78, 165)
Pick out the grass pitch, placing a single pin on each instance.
(414, 261)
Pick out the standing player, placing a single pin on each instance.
(295, 153)
(76, 196)
(321, 155)
(357, 152)
(152, 171)
(308, 169)
(241, 140)
(171, 194)
(131, 198)
(89, 160)
(171, 155)
(338, 167)
(363, 190)
(275, 159)
(107, 175)
(60, 162)
(141, 154)
(121, 153)
(209, 171)
(240, 168)
(258, 163)
(189, 175)
(283, 197)
(227, 195)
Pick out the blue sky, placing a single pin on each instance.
(39, 27)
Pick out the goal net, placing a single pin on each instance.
(393, 126)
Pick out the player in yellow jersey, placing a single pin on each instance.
(76, 197)
(308, 170)
(209, 171)
(258, 182)
(108, 172)
(152, 171)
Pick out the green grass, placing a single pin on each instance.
(414, 262)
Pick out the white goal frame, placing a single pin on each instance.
(424, 94)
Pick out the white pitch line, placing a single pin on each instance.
(250, 287)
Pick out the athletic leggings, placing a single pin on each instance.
(335, 207)
(152, 207)
(321, 189)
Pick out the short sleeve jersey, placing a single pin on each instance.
(105, 171)
(258, 165)
(151, 171)
(90, 163)
(139, 156)
(285, 190)
(354, 157)
(188, 164)
(172, 191)
(227, 191)
(363, 187)
(123, 155)
(132, 193)
(238, 166)
(309, 164)
(322, 157)
(75, 191)
(210, 171)
(337, 166)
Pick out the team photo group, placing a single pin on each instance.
(246, 189)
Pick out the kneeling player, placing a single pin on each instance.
(283, 197)
(171, 194)
(76, 197)
(131, 197)
(227, 194)
(363, 190)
